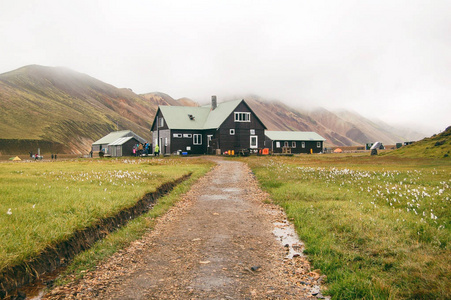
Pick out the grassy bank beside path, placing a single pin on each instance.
(43, 203)
(134, 230)
(378, 227)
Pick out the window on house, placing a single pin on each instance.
(285, 144)
(242, 117)
(254, 141)
(252, 131)
(187, 135)
(293, 144)
(303, 144)
(177, 135)
(232, 131)
(277, 144)
(318, 145)
(197, 139)
(165, 141)
(209, 137)
(161, 122)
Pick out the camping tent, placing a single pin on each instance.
(338, 150)
(16, 158)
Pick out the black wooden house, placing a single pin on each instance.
(294, 142)
(215, 129)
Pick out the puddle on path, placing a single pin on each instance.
(285, 233)
(287, 236)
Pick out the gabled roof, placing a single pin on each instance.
(188, 117)
(113, 136)
(178, 117)
(121, 141)
(293, 136)
(220, 114)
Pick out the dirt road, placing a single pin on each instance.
(217, 243)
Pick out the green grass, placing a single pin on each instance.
(437, 146)
(42, 203)
(378, 227)
(121, 238)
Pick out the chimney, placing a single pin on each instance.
(214, 103)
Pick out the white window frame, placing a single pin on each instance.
(161, 122)
(252, 131)
(209, 138)
(256, 142)
(277, 144)
(285, 144)
(303, 144)
(187, 135)
(318, 144)
(232, 131)
(177, 135)
(242, 116)
(293, 144)
(197, 139)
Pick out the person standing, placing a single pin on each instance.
(157, 150)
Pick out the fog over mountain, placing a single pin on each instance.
(387, 60)
(64, 111)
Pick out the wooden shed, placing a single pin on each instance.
(122, 146)
(117, 142)
(294, 142)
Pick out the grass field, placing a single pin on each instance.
(377, 227)
(42, 203)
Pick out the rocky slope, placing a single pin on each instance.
(68, 108)
(65, 111)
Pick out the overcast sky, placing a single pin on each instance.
(384, 59)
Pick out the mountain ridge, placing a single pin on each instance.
(69, 109)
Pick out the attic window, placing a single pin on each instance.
(191, 117)
(242, 117)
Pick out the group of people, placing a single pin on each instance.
(145, 149)
(140, 149)
(37, 156)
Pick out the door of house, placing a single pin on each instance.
(254, 142)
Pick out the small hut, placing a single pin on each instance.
(294, 142)
(117, 143)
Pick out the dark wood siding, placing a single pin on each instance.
(127, 148)
(155, 122)
(313, 145)
(180, 143)
(241, 139)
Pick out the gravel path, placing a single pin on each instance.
(217, 243)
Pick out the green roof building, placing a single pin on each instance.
(215, 129)
(294, 142)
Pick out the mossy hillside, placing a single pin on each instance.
(437, 146)
(63, 106)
